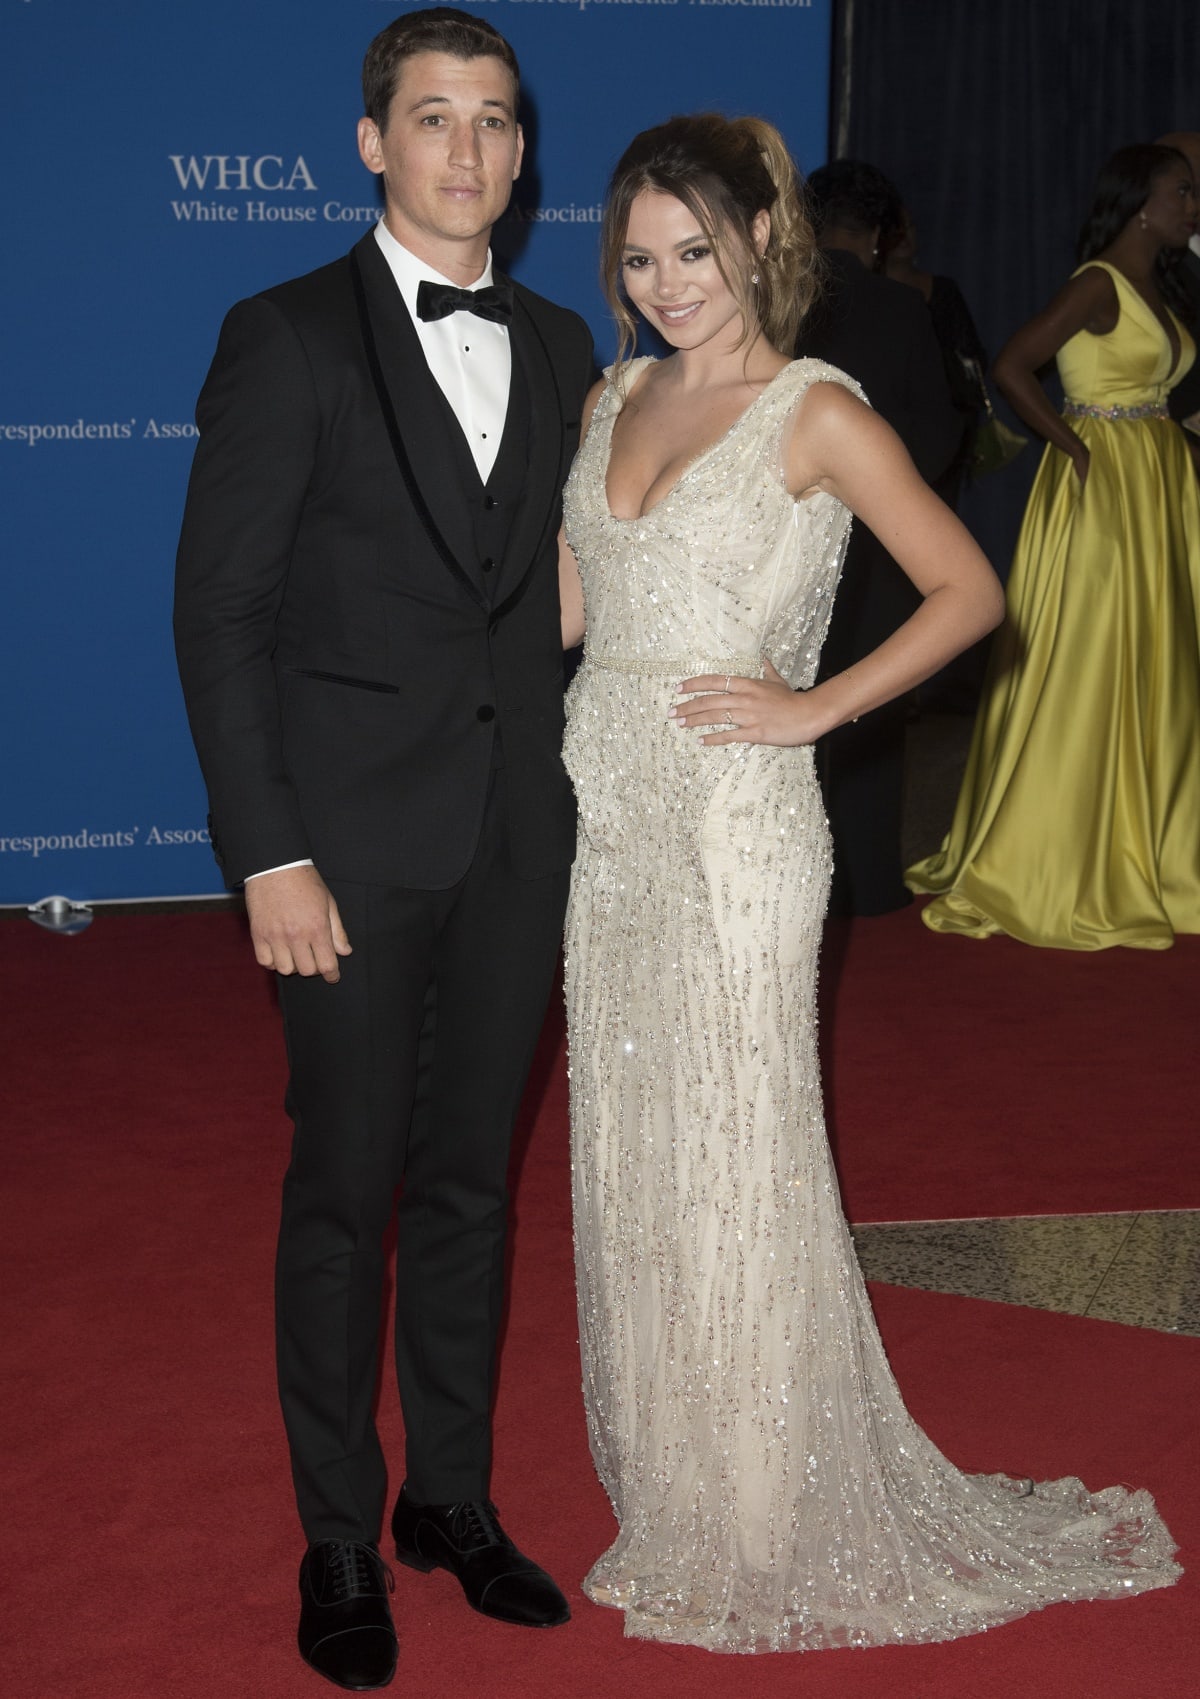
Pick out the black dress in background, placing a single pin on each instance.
(960, 343)
(881, 333)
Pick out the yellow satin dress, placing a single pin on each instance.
(1078, 822)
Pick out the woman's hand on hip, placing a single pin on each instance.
(727, 709)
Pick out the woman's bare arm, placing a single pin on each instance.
(1086, 303)
(840, 446)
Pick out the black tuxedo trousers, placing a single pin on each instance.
(409, 1071)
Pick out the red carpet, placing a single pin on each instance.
(970, 1078)
(149, 1550)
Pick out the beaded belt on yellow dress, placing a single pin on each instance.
(1086, 410)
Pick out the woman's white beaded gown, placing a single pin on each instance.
(771, 1489)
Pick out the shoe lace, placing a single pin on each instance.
(356, 1569)
(475, 1523)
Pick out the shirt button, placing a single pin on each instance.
(486, 713)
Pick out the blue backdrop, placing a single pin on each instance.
(164, 160)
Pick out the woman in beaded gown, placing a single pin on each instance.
(1078, 821)
(770, 1488)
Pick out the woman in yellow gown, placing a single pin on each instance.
(1078, 822)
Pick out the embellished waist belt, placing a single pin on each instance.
(1145, 410)
(676, 666)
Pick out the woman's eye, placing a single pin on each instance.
(635, 262)
(699, 252)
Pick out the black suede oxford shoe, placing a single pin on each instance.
(467, 1539)
(346, 1631)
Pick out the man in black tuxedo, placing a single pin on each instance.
(1184, 399)
(368, 632)
(880, 333)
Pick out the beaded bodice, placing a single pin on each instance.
(727, 566)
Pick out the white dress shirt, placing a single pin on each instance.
(470, 357)
(471, 360)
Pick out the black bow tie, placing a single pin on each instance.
(438, 300)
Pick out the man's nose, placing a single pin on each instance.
(464, 148)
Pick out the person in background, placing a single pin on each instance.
(1184, 399)
(964, 357)
(368, 633)
(956, 688)
(880, 333)
(1078, 821)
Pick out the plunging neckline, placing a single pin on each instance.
(696, 460)
(1175, 355)
(1116, 272)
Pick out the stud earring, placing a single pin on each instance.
(754, 277)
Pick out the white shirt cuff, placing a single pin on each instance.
(282, 868)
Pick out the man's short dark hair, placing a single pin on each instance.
(440, 30)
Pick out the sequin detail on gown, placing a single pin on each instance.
(771, 1489)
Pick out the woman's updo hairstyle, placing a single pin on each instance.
(725, 171)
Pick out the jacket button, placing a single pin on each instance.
(488, 564)
(490, 502)
(486, 713)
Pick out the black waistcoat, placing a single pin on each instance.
(492, 506)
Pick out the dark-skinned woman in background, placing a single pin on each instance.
(1078, 821)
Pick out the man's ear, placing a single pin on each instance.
(370, 145)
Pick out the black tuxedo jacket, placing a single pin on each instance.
(348, 659)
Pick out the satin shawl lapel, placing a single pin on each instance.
(547, 473)
(401, 378)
